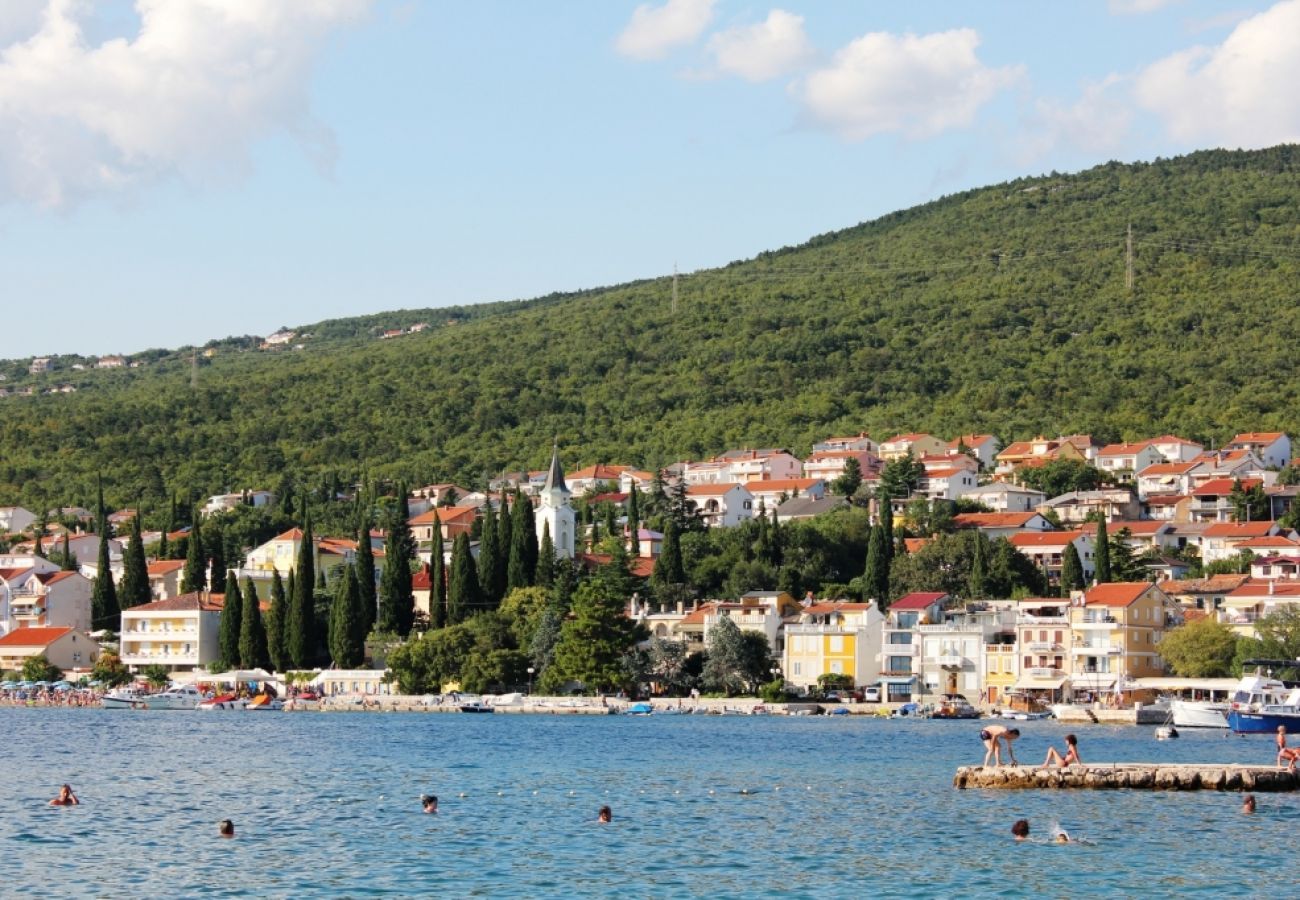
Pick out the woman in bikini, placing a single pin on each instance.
(1071, 757)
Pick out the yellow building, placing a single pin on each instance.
(179, 633)
(1116, 630)
(837, 638)
(1001, 670)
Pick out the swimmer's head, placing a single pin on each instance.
(226, 828)
(429, 802)
(1020, 829)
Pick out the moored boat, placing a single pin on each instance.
(125, 698)
(1199, 713)
(477, 705)
(954, 706)
(178, 696)
(223, 702)
(262, 703)
(1261, 702)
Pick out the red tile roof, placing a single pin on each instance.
(1276, 541)
(1044, 538)
(1119, 593)
(768, 485)
(826, 607)
(1123, 449)
(1136, 527)
(970, 440)
(182, 603)
(445, 514)
(711, 490)
(163, 566)
(993, 520)
(32, 637)
(1256, 437)
(1178, 468)
(1219, 487)
(1239, 529)
(1266, 588)
(293, 534)
(917, 600)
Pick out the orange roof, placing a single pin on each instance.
(1123, 449)
(1136, 528)
(445, 514)
(914, 544)
(1044, 538)
(1265, 588)
(918, 600)
(1216, 487)
(992, 520)
(1257, 437)
(639, 566)
(908, 438)
(1172, 439)
(970, 440)
(163, 566)
(56, 577)
(1179, 468)
(1212, 584)
(32, 637)
(1274, 540)
(293, 534)
(598, 472)
(1019, 448)
(183, 603)
(824, 607)
(711, 490)
(696, 616)
(947, 473)
(780, 484)
(835, 454)
(1119, 593)
(1238, 529)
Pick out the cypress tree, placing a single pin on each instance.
(505, 544)
(437, 578)
(299, 630)
(1071, 570)
(887, 523)
(347, 638)
(518, 573)
(487, 556)
(275, 619)
(252, 633)
(39, 549)
(1101, 555)
(217, 549)
(527, 522)
(611, 520)
(232, 621)
(69, 563)
(464, 593)
(668, 567)
(875, 578)
(195, 576)
(135, 571)
(105, 612)
(366, 577)
(633, 520)
(396, 599)
(545, 572)
(979, 568)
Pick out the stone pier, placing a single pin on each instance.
(1136, 776)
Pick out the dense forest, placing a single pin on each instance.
(1003, 309)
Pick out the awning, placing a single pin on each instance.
(1243, 602)
(1039, 684)
(898, 679)
(1090, 681)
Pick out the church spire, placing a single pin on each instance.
(555, 477)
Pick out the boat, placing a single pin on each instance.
(178, 696)
(1199, 713)
(222, 702)
(639, 709)
(1022, 716)
(264, 702)
(475, 706)
(954, 706)
(125, 698)
(1261, 702)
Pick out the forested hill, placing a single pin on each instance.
(1000, 310)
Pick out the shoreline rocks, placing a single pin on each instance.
(1132, 776)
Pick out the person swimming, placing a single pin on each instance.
(605, 815)
(429, 802)
(226, 828)
(1248, 805)
(1021, 829)
(65, 798)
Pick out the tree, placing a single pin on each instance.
(488, 551)
(518, 573)
(1248, 505)
(875, 579)
(157, 676)
(633, 514)
(300, 628)
(105, 612)
(1202, 648)
(437, 578)
(979, 568)
(1101, 557)
(1060, 476)
(109, 670)
(1124, 564)
(252, 633)
(232, 620)
(195, 575)
(39, 668)
(366, 573)
(135, 570)
(68, 562)
(1279, 634)
(464, 595)
(505, 544)
(347, 623)
(900, 477)
(545, 559)
(850, 479)
(396, 598)
(592, 643)
(668, 568)
(1071, 570)
(276, 618)
(739, 661)
(217, 551)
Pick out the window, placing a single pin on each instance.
(1058, 636)
(900, 637)
(798, 668)
(900, 664)
(1029, 662)
(837, 667)
(837, 643)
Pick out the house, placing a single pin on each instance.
(1223, 540)
(1002, 496)
(1081, 506)
(1202, 593)
(1212, 501)
(833, 637)
(280, 554)
(1165, 478)
(1047, 549)
(223, 502)
(916, 444)
(808, 507)
(66, 648)
(996, 525)
(111, 362)
(1264, 568)
(952, 650)
(900, 648)
(760, 465)
(119, 519)
(947, 483)
(1277, 547)
(769, 493)
(649, 543)
(179, 633)
(165, 578)
(762, 612)
(1272, 447)
(279, 339)
(1141, 535)
(1122, 460)
(1044, 641)
(1039, 450)
(720, 505)
(983, 447)
(828, 465)
(45, 599)
(1166, 568)
(452, 520)
(597, 477)
(14, 519)
(1173, 449)
(1117, 628)
(636, 480)
(1246, 605)
(860, 441)
(1230, 464)
(1280, 499)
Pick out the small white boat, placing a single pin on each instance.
(474, 705)
(1199, 714)
(125, 698)
(264, 703)
(222, 702)
(184, 696)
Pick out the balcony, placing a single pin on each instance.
(1096, 650)
(159, 634)
(1062, 619)
(1099, 624)
(1044, 672)
(1042, 647)
(823, 629)
(912, 650)
(951, 661)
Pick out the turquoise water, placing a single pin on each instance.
(327, 805)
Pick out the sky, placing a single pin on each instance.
(176, 172)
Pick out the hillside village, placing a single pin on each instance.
(1203, 534)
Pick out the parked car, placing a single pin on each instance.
(835, 697)
(871, 695)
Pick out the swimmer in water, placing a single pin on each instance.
(226, 828)
(1021, 829)
(429, 803)
(1248, 805)
(605, 816)
(66, 797)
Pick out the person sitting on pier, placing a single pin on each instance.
(1286, 754)
(994, 737)
(1070, 758)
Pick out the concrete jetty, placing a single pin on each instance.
(1135, 776)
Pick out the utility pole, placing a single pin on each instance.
(674, 289)
(1128, 260)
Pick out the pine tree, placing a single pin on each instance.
(195, 576)
(1101, 556)
(347, 637)
(592, 644)
(633, 520)
(299, 632)
(611, 521)
(232, 621)
(216, 541)
(545, 572)
(437, 578)
(396, 599)
(487, 556)
(252, 633)
(366, 577)
(979, 567)
(135, 571)
(275, 621)
(875, 578)
(464, 596)
(1071, 570)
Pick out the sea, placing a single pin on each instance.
(327, 805)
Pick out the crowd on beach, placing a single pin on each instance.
(50, 696)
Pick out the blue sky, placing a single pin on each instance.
(176, 172)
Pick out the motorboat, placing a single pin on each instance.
(1199, 713)
(477, 705)
(263, 703)
(223, 702)
(178, 696)
(954, 706)
(1023, 716)
(639, 709)
(130, 697)
(1261, 702)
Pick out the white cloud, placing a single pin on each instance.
(1098, 122)
(1238, 94)
(1137, 7)
(655, 30)
(915, 85)
(764, 51)
(187, 95)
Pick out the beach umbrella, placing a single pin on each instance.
(62, 686)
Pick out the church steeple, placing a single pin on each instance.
(555, 477)
(554, 511)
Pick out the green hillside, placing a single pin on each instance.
(1002, 309)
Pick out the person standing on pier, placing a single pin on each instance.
(994, 738)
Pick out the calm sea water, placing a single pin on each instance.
(327, 805)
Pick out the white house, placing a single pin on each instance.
(222, 502)
(1047, 549)
(828, 465)
(1175, 449)
(180, 633)
(1002, 496)
(760, 465)
(984, 447)
(951, 658)
(997, 525)
(720, 505)
(47, 600)
(771, 492)
(14, 519)
(947, 483)
(918, 444)
(860, 441)
(1223, 540)
(1124, 460)
(1166, 478)
(1272, 447)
